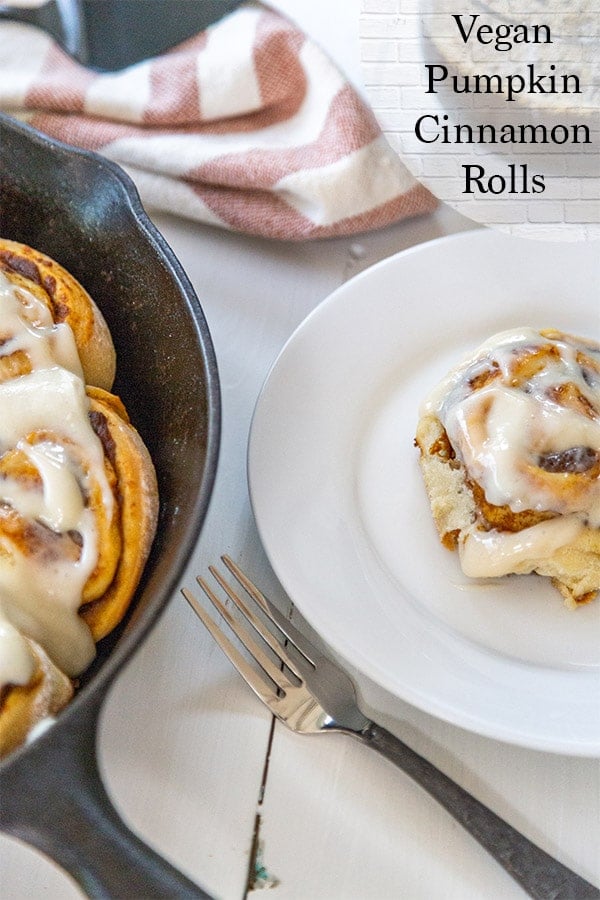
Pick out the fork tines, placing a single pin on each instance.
(275, 673)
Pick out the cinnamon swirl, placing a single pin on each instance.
(510, 454)
(78, 495)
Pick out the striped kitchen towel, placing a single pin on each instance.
(248, 125)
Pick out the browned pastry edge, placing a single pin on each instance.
(137, 508)
(24, 706)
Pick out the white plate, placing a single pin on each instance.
(341, 509)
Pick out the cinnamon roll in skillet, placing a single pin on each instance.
(51, 295)
(78, 494)
(509, 449)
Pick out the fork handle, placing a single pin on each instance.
(539, 874)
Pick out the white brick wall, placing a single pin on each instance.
(398, 37)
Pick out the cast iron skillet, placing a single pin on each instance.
(85, 213)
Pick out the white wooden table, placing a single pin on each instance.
(193, 760)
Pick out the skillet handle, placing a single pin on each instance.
(54, 800)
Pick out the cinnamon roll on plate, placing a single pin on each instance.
(509, 449)
(78, 495)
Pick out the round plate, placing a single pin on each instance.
(342, 512)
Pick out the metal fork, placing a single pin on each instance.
(312, 695)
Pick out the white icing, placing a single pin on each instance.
(501, 431)
(26, 324)
(16, 662)
(490, 554)
(44, 417)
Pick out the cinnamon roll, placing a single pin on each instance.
(78, 494)
(509, 449)
(50, 295)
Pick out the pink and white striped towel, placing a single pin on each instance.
(248, 126)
